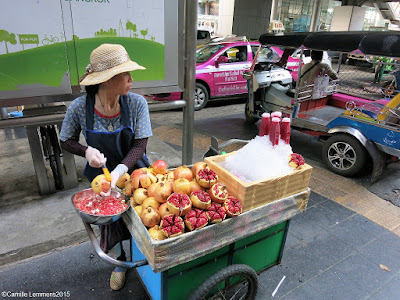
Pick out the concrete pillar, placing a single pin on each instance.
(315, 15)
(225, 17)
(274, 11)
(251, 18)
(348, 18)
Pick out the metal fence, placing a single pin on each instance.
(369, 79)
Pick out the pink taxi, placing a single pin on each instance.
(219, 69)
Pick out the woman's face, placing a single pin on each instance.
(121, 83)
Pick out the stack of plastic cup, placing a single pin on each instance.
(275, 132)
(265, 124)
(285, 130)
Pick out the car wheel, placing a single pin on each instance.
(200, 96)
(344, 155)
(251, 118)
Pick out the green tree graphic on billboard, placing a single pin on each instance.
(131, 27)
(144, 32)
(6, 37)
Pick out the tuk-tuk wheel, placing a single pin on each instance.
(232, 282)
(251, 118)
(200, 96)
(344, 154)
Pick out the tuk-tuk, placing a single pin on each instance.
(356, 128)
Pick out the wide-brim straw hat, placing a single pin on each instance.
(106, 61)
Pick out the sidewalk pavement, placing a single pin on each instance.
(331, 253)
(345, 246)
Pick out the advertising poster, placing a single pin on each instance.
(45, 44)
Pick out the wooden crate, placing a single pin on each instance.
(256, 193)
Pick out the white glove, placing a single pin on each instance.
(94, 157)
(119, 170)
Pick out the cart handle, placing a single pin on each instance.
(104, 256)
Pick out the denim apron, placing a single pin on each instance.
(115, 146)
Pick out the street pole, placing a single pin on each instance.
(189, 81)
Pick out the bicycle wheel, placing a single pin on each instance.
(232, 282)
(55, 157)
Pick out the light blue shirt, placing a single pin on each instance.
(75, 119)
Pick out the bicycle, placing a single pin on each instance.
(52, 152)
(52, 40)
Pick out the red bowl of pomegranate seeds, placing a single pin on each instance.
(98, 210)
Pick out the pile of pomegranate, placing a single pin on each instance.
(170, 203)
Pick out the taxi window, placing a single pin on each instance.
(206, 52)
(236, 54)
(267, 55)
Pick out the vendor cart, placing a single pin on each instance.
(221, 259)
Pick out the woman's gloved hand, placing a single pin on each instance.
(119, 170)
(94, 157)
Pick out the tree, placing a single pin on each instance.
(7, 37)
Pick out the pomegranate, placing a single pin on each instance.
(181, 185)
(151, 189)
(121, 182)
(218, 193)
(100, 184)
(200, 199)
(162, 192)
(206, 177)
(194, 186)
(128, 190)
(152, 202)
(179, 204)
(159, 167)
(163, 210)
(233, 207)
(170, 177)
(216, 213)
(156, 233)
(142, 178)
(197, 167)
(161, 177)
(296, 160)
(172, 225)
(183, 171)
(150, 217)
(196, 219)
(138, 209)
(139, 195)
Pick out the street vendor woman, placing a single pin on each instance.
(116, 126)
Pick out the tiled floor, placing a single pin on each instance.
(334, 253)
(331, 252)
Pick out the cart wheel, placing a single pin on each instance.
(232, 282)
(251, 118)
(200, 96)
(344, 154)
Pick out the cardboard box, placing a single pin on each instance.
(257, 193)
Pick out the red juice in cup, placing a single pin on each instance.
(275, 132)
(285, 130)
(265, 124)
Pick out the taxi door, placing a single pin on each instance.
(228, 79)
